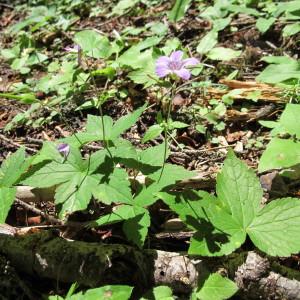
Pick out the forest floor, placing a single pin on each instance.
(232, 101)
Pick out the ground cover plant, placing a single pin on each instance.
(149, 149)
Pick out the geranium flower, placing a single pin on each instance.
(74, 49)
(63, 149)
(174, 64)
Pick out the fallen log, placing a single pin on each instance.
(46, 255)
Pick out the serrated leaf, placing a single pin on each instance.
(74, 177)
(171, 174)
(239, 189)
(217, 287)
(116, 188)
(219, 235)
(152, 132)
(276, 227)
(7, 198)
(280, 154)
(13, 167)
(136, 222)
(125, 122)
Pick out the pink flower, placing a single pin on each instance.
(74, 49)
(175, 65)
(63, 149)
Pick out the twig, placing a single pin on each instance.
(39, 212)
(17, 144)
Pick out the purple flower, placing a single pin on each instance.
(64, 149)
(74, 49)
(175, 65)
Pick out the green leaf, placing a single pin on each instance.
(112, 292)
(74, 177)
(179, 9)
(136, 222)
(291, 29)
(159, 293)
(280, 154)
(289, 119)
(239, 189)
(123, 6)
(153, 132)
(278, 59)
(7, 198)
(224, 54)
(274, 229)
(171, 174)
(115, 189)
(217, 287)
(93, 43)
(264, 24)
(13, 167)
(276, 73)
(208, 42)
(125, 122)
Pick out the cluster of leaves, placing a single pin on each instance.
(221, 223)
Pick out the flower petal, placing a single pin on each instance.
(162, 71)
(183, 73)
(191, 61)
(176, 55)
(163, 60)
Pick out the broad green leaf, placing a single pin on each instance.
(111, 292)
(123, 6)
(191, 206)
(276, 228)
(280, 154)
(291, 29)
(179, 9)
(208, 42)
(289, 119)
(13, 167)
(136, 227)
(220, 24)
(171, 174)
(153, 132)
(217, 287)
(219, 235)
(264, 24)
(220, 53)
(278, 59)
(93, 43)
(159, 293)
(125, 122)
(276, 73)
(114, 189)
(74, 177)
(136, 222)
(7, 198)
(239, 189)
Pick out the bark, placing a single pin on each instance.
(94, 264)
(46, 255)
(257, 281)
